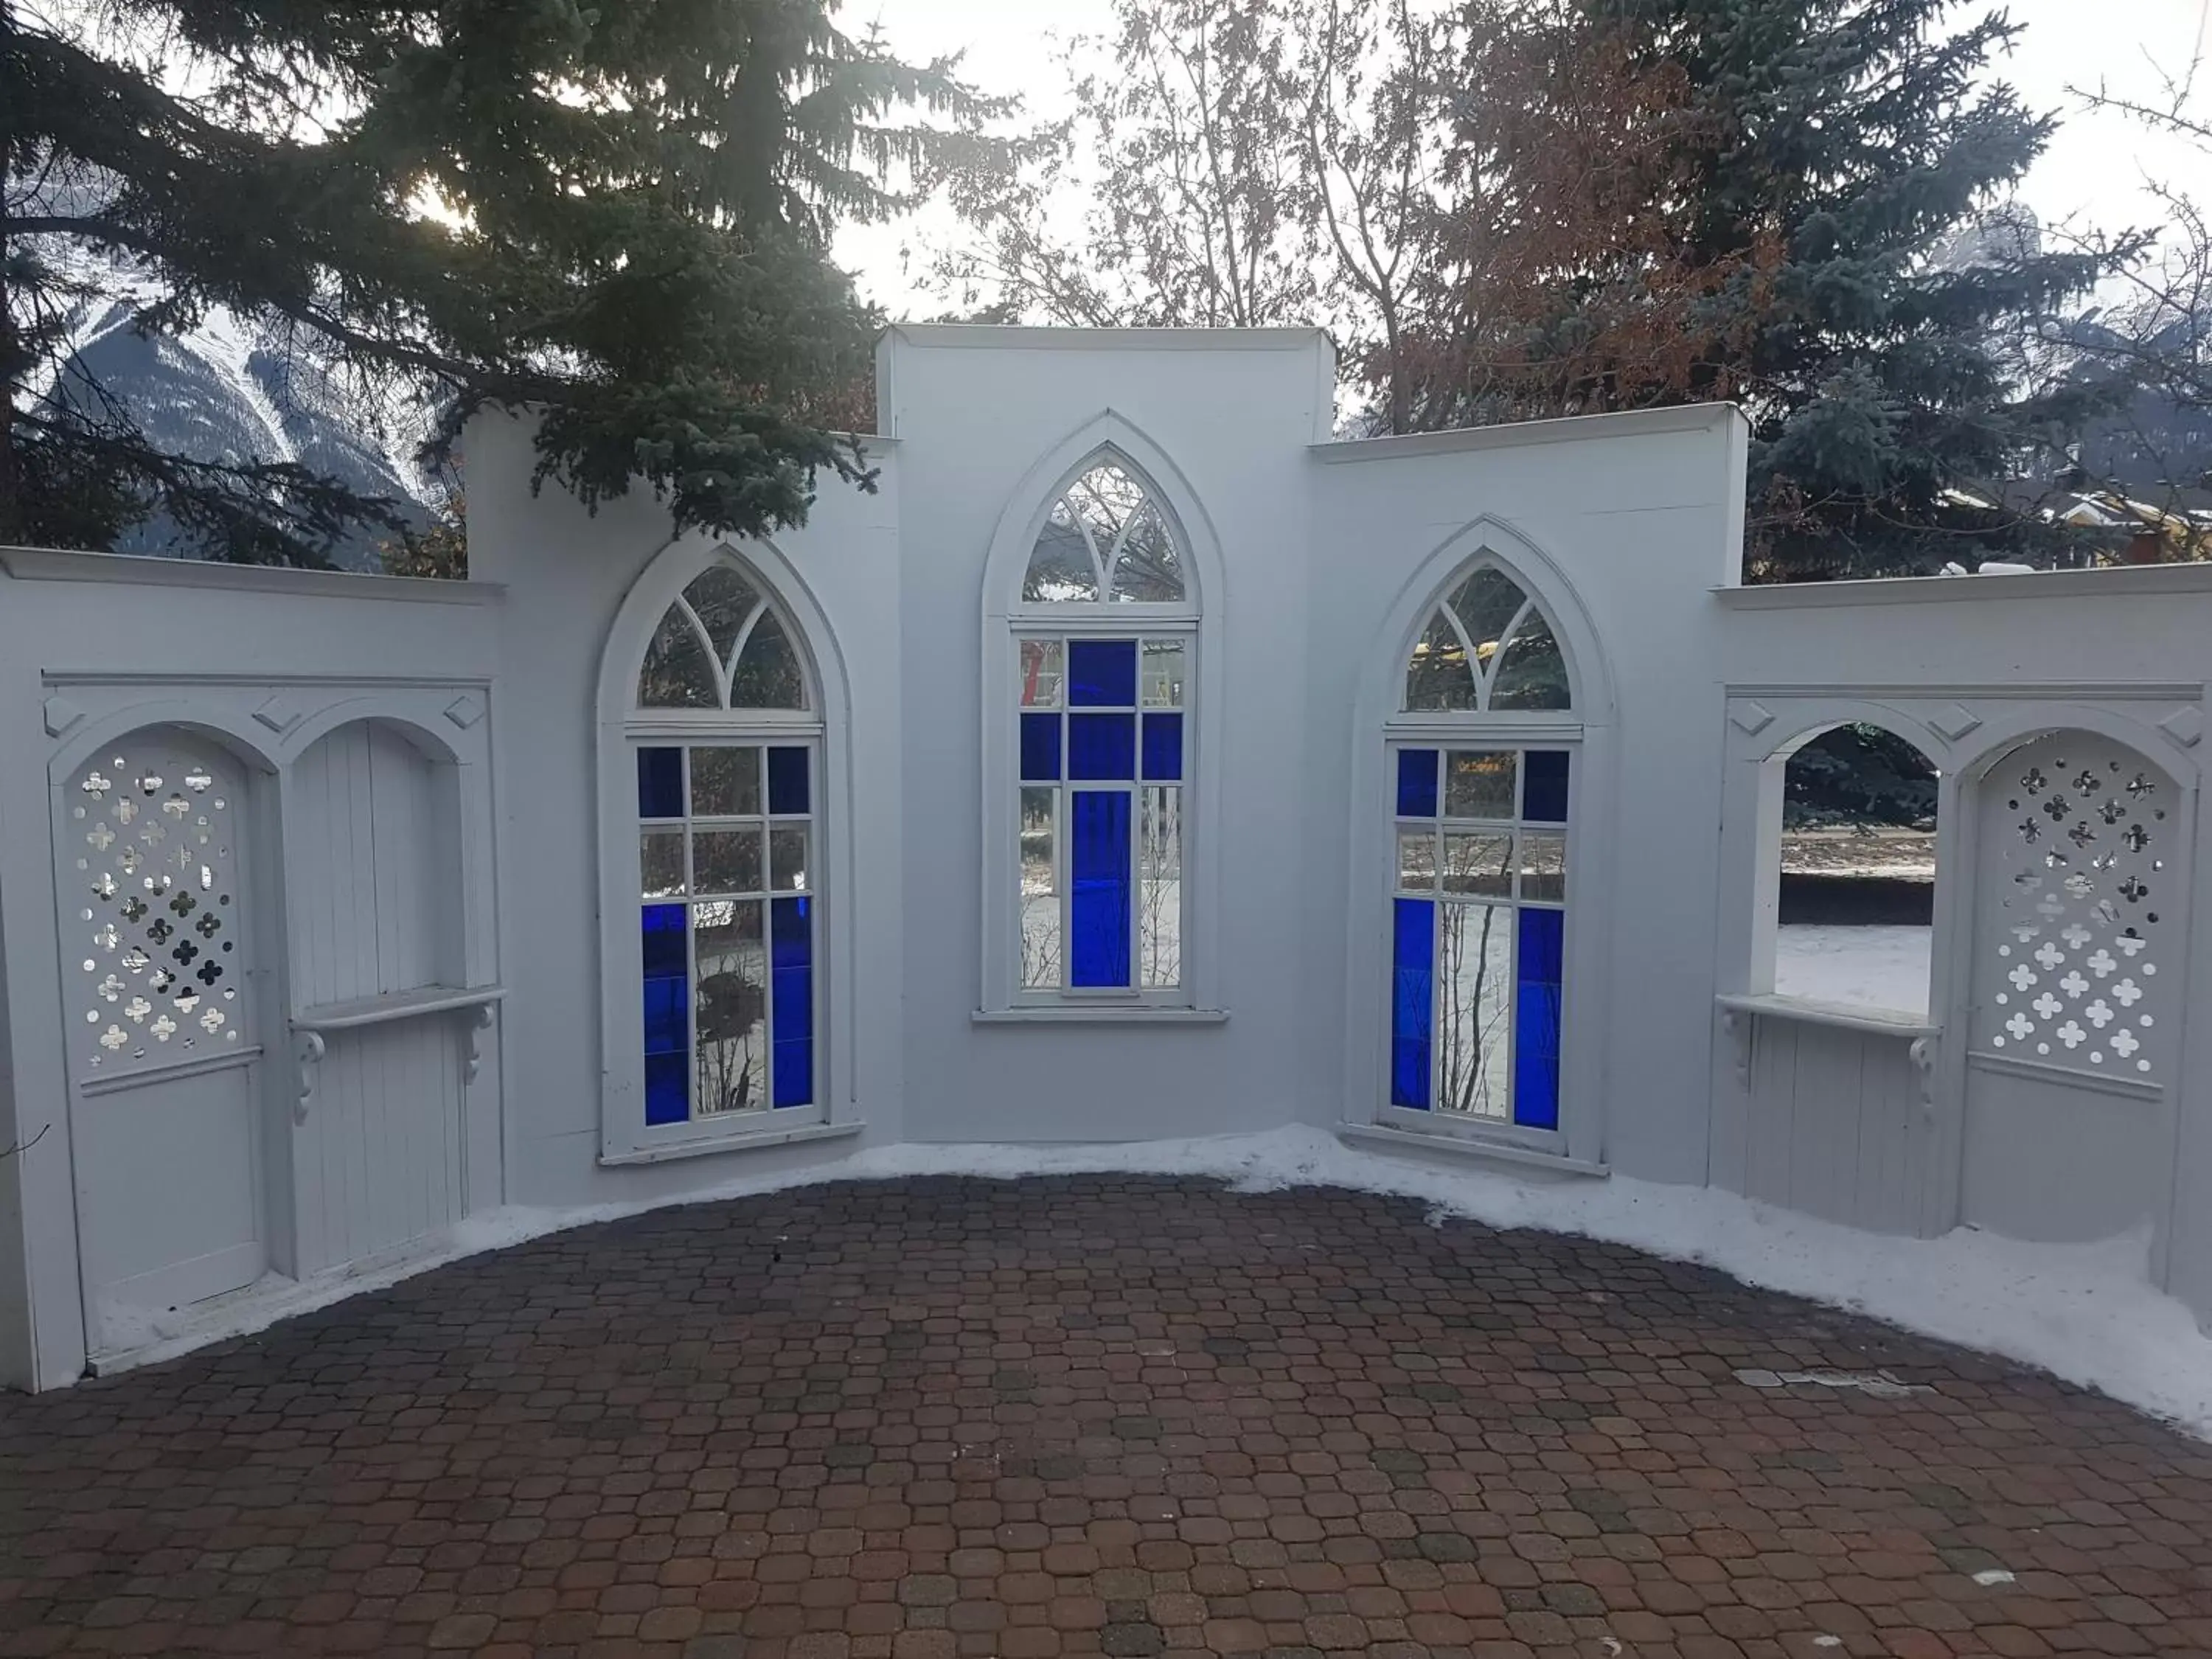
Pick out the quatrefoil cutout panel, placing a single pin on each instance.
(2080, 880)
(149, 841)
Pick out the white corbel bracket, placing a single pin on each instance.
(1922, 1056)
(308, 1050)
(479, 1022)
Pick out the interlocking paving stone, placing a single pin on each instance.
(1138, 1418)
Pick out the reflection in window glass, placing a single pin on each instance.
(1476, 929)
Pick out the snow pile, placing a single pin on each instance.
(2086, 1313)
(1884, 967)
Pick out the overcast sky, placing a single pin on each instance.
(2092, 171)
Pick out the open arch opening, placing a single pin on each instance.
(1853, 877)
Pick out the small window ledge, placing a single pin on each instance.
(1846, 1017)
(1062, 1014)
(1373, 1137)
(744, 1141)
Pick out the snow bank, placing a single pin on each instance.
(1877, 967)
(2086, 1313)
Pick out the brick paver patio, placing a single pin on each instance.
(1108, 1415)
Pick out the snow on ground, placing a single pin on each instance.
(2088, 1313)
(1865, 967)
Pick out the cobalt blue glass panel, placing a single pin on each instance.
(667, 1084)
(1102, 747)
(791, 958)
(1413, 958)
(1536, 1019)
(786, 781)
(1039, 749)
(1545, 797)
(666, 958)
(1101, 673)
(1163, 748)
(660, 783)
(1098, 915)
(1417, 783)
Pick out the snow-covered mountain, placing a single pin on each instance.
(225, 390)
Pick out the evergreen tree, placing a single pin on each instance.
(1836, 146)
(618, 214)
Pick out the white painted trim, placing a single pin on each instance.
(1471, 1148)
(2112, 582)
(1061, 1014)
(994, 337)
(396, 1005)
(2067, 1077)
(2011, 691)
(45, 564)
(752, 1141)
(1573, 429)
(1842, 1017)
(229, 1060)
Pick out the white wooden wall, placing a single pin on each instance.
(372, 888)
(374, 860)
(1831, 1120)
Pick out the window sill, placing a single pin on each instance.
(1109, 1015)
(1374, 1138)
(741, 1142)
(1843, 1017)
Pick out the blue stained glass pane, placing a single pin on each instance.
(1099, 899)
(1536, 1019)
(668, 962)
(786, 781)
(1545, 789)
(791, 966)
(660, 783)
(1417, 783)
(1412, 974)
(1039, 749)
(1102, 747)
(667, 1084)
(1163, 747)
(1101, 673)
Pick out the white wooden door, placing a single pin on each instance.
(164, 1068)
(2078, 943)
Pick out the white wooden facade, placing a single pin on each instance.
(523, 895)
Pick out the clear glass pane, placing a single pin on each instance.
(726, 861)
(724, 783)
(786, 858)
(1162, 673)
(1040, 892)
(1150, 567)
(768, 675)
(1416, 859)
(1044, 672)
(1482, 865)
(661, 863)
(721, 599)
(1486, 602)
(1438, 678)
(1478, 784)
(1544, 866)
(1061, 570)
(1105, 497)
(1159, 893)
(731, 1051)
(1474, 960)
(678, 671)
(1531, 673)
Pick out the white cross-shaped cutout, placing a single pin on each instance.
(2021, 977)
(2048, 1006)
(2099, 1013)
(2102, 964)
(2072, 1034)
(2049, 954)
(2020, 1026)
(2125, 1043)
(2127, 993)
(2072, 984)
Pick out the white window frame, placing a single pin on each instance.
(1585, 732)
(625, 728)
(1007, 620)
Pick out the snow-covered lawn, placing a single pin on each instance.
(2086, 1312)
(1866, 967)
